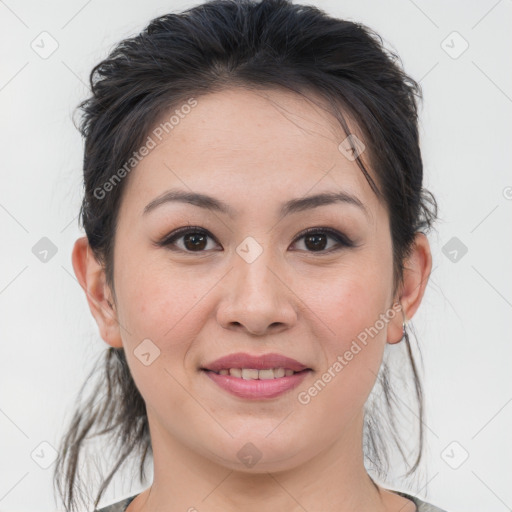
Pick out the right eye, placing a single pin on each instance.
(194, 239)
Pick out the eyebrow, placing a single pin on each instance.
(287, 208)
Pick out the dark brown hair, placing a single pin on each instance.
(257, 45)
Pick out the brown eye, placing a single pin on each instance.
(316, 240)
(192, 240)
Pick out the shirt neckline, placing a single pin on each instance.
(417, 502)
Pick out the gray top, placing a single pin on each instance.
(421, 506)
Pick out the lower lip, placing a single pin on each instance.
(256, 388)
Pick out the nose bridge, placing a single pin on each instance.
(254, 272)
(256, 298)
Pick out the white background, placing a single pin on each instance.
(49, 339)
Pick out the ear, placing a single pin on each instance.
(417, 270)
(91, 276)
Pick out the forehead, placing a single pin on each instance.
(271, 143)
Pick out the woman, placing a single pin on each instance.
(255, 237)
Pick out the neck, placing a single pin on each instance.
(333, 478)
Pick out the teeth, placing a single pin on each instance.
(252, 374)
(249, 374)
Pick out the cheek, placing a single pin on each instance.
(353, 299)
(350, 306)
(161, 308)
(353, 347)
(151, 301)
(166, 305)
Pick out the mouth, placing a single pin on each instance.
(270, 365)
(256, 377)
(255, 374)
(252, 384)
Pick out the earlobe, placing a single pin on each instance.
(417, 270)
(91, 276)
(396, 328)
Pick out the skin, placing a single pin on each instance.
(253, 150)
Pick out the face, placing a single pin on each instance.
(247, 279)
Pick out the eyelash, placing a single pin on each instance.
(343, 241)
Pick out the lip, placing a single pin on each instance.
(261, 362)
(256, 389)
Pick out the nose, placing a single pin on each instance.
(256, 298)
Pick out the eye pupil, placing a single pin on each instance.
(198, 240)
(316, 245)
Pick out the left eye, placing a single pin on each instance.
(196, 240)
(316, 239)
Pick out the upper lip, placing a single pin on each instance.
(261, 362)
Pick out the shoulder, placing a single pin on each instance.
(119, 506)
(421, 505)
